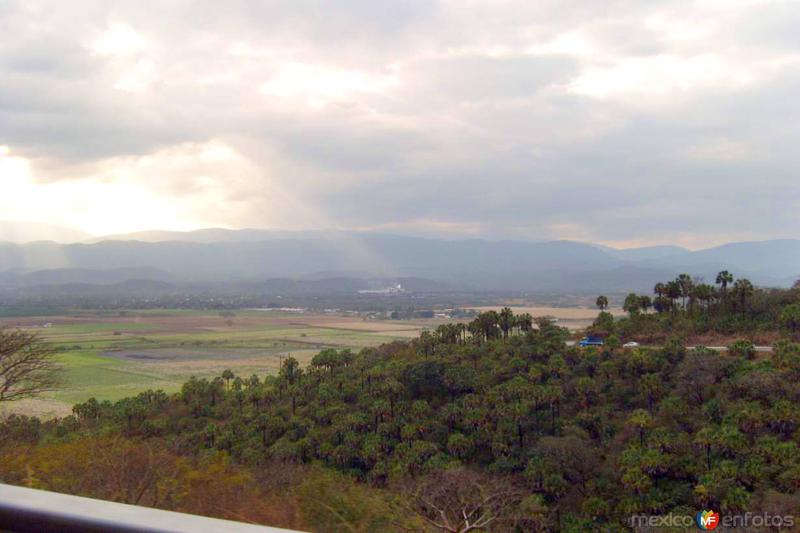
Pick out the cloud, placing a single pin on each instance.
(207, 184)
(621, 121)
(318, 85)
(120, 40)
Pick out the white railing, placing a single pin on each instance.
(27, 510)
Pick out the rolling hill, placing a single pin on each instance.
(479, 264)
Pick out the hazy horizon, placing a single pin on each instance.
(33, 232)
(625, 124)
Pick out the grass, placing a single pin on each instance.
(100, 327)
(86, 374)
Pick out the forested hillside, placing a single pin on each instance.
(496, 425)
(696, 310)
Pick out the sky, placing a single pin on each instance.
(621, 122)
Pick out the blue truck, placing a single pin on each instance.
(590, 341)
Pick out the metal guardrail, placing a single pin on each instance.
(26, 510)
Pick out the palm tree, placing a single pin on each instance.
(227, 375)
(652, 386)
(706, 438)
(673, 292)
(632, 303)
(428, 342)
(552, 395)
(703, 293)
(602, 302)
(476, 330)
(506, 321)
(290, 370)
(662, 304)
(660, 289)
(489, 321)
(448, 333)
(685, 283)
(743, 289)
(641, 421)
(723, 278)
(525, 321)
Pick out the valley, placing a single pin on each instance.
(114, 354)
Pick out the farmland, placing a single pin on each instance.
(113, 355)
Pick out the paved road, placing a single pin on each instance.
(765, 349)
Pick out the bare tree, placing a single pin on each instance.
(460, 500)
(27, 365)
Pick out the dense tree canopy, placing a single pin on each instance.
(691, 308)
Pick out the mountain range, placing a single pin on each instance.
(236, 256)
(20, 231)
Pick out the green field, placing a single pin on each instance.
(113, 355)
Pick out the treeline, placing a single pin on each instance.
(52, 301)
(496, 425)
(688, 307)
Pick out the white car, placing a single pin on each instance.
(631, 344)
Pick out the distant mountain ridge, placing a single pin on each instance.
(94, 276)
(18, 231)
(647, 252)
(205, 235)
(257, 255)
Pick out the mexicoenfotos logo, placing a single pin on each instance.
(707, 520)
